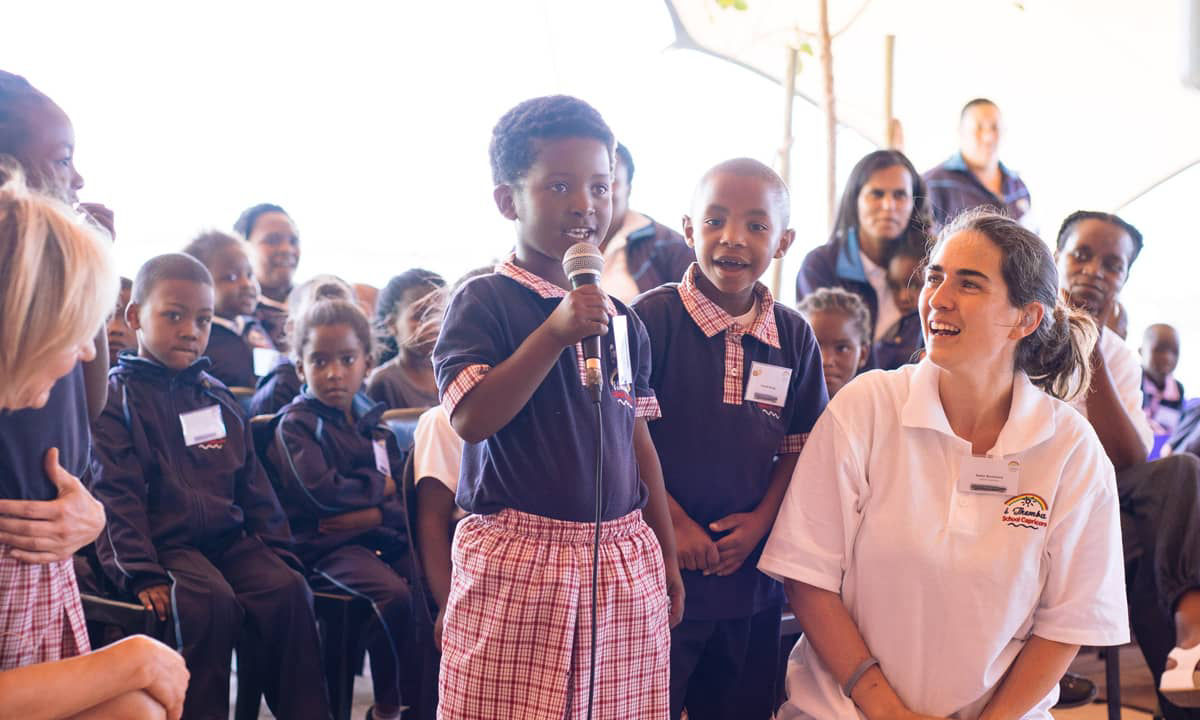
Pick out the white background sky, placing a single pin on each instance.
(369, 122)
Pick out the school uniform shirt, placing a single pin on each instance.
(327, 466)
(1125, 368)
(161, 492)
(231, 346)
(947, 586)
(1163, 406)
(392, 385)
(276, 389)
(716, 444)
(271, 316)
(543, 461)
(953, 188)
(26, 435)
(437, 452)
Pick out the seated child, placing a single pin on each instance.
(274, 244)
(195, 531)
(1162, 394)
(282, 384)
(516, 641)
(237, 340)
(334, 461)
(841, 323)
(899, 343)
(120, 336)
(409, 312)
(738, 377)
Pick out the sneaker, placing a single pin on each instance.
(1075, 690)
(1178, 683)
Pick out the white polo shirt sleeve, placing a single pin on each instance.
(821, 511)
(1126, 371)
(437, 449)
(1083, 599)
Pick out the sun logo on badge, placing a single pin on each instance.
(1026, 511)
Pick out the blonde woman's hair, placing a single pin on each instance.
(58, 282)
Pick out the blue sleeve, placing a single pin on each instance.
(808, 382)
(471, 333)
(815, 272)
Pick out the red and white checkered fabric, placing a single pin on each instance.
(711, 319)
(41, 618)
(517, 638)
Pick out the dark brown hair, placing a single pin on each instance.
(332, 312)
(1056, 355)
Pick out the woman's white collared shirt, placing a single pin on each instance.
(946, 586)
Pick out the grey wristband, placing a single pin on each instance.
(857, 675)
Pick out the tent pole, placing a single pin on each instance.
(785, 150)
(830, 112)
(889, 54)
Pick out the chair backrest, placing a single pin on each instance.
(403, 424)
(262, 430)
(244, 395)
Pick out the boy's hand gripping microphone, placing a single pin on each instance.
(582, 264)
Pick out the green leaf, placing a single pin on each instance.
(732, 4)
(805, 49)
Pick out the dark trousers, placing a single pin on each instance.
(390, 634)
(1160, 527)
(245, 593)
(725, 669)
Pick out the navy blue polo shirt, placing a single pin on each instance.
(717, 449)
(953, 188)
(543, 461)
(26, 435)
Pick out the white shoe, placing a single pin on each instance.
(1178, 684)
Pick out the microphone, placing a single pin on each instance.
(582, 264)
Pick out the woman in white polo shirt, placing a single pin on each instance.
(950, 537)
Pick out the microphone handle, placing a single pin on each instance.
(594, 374)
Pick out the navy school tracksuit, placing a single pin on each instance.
(275, 389)
(203, 520)
(231, 350)
(718, 450)
(325, 466)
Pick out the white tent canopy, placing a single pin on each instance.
(1090, 89)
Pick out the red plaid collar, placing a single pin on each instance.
(711, 319)
(537, 284)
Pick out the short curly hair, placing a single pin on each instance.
(512, 150)
(836, 299)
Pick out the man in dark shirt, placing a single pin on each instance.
(639, 253)
(974, 175)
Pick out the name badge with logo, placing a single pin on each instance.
(768, 384)
(981, 474)
(203, 425)
(381, 458)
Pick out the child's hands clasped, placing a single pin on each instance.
(158, 599)
(696, 550)
(580, 314)
(745, 531)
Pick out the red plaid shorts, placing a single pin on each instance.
(517, 637)
(41, 618)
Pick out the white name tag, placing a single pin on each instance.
(768, 384)
(989, 475)
(203, 425)
(620, 326)
(264, 360)
(381, 458)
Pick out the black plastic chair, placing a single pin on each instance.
(403, 424)
(125, 619)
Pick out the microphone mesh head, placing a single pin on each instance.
(582, 257)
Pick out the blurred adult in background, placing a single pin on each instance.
(274, 253)
(974, 175)
(639, 253)
(883, 203)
